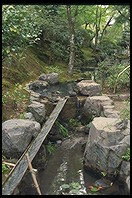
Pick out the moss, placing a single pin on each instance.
(5, 84)
(26, 69)
(13, 75)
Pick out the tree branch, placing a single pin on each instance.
(102, 33)
(123, 15)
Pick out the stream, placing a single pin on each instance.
(65, 166)
(64, 173)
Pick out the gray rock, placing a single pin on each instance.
(83, 129)
(110, 113)
(38, 111)
(71, 91)
(43, 77)
(37, 85)
(105, 145)
(103, 100)
(29, 116)
(108, 107)
(122, 125)
(128, 184)
(91, 108)
(119, 96)
(16, 136)
(59, 141)
(124, 170)
(52, 78)
(88, 88)
(126, 140)
(34, 97)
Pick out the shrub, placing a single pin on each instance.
(62, 130)
(4, 168)
(17, 95)
(125, 112)
(126, 155)
(50, 147)
(107, 75)
(73, 123)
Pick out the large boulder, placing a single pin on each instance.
(88, 88)
(106, 144)
(99, 105)
(38, 111)
(94, 107)
(91, 107)
(16, 136)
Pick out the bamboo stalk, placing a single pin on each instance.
(13, 165)
(119, 76)
(33, 174)
(9, 164)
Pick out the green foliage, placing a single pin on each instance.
(123, 11)
(126, 155)
(113, 35)
(125, 112)
(19, 28)
(17, 95)
(94, 189)
(102, 72)
(108, 72)
(65, 186)
(71, 188)
(21, 116)
(87, 52)
(103, 173)
(4, 168)
(53, 68)
(62, 130)
(73, 122)
(123, 81)
(50, 148)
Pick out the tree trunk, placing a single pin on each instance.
(97, 27)
(72, 55)
(71, 22)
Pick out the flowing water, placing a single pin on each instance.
(65, 166)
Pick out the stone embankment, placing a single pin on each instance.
(109, 136)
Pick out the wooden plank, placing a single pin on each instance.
(19, 170)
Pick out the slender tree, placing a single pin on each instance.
(71, 23)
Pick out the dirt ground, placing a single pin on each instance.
(119, 105)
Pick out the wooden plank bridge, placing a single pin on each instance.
(19, 170)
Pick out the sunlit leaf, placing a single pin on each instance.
(65, 186)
